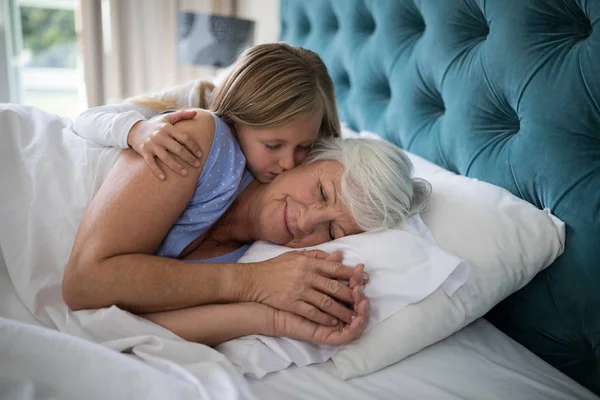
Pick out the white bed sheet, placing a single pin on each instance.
(477, 362)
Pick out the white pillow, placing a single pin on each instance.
(506, 240)
(419, 268)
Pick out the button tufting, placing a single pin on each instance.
(485, 30)
(344, 79)
(384, 89)
(472, 23)
(581, 20)
(587, 28)
(332, 24)
(303, 25)
(369, 24)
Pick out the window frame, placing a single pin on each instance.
(13, 87)
(10, 44)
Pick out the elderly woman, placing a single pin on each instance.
(166, 250)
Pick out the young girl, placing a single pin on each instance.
(277, 100)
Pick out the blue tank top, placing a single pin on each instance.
(223, 178)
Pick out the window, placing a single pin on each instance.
(43, 59)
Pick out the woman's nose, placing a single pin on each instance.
(311, 219)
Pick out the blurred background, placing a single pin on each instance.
(66, 55)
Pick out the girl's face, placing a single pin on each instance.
(270, 151)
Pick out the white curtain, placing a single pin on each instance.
(129, 46)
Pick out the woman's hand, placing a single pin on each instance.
(290, 325)
(306, 283)
(158, 137)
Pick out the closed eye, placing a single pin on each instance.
(324, 199)
(273, 147)
(323, 195)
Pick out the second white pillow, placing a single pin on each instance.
(506, 241)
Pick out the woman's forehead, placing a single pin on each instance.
(330, 168)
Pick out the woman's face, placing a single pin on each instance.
(270, 151)
(303, 207)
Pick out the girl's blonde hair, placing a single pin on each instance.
(270, 84)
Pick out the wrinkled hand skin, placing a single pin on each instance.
(308, 300)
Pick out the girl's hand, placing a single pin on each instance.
(305, 283)
(158, 137)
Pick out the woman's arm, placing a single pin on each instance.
(110, 263)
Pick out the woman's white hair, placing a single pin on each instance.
(377, 186)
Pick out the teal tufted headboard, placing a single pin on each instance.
(506, 91)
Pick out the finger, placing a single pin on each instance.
(156, 170)
(187, 141)
(330, 306)
(347, 332)
(356, 328)
(181, 115)
(334, 289)
(173, 145)
(357, 278)
(335, 256)
(335, 270)
(321, 255)
(313, 314)
(361, 319)
(170, 161)
(356, 297)
(362, 303)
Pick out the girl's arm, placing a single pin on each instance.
(214, 324)
(218, 323)
(110, 125)
(131, 124)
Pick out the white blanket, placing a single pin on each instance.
(39, 363)
(48, 176)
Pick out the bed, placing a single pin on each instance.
(501, 91)
(477, 362)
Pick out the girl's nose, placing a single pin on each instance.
(287, 161)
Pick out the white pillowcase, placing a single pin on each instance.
(506, 241)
